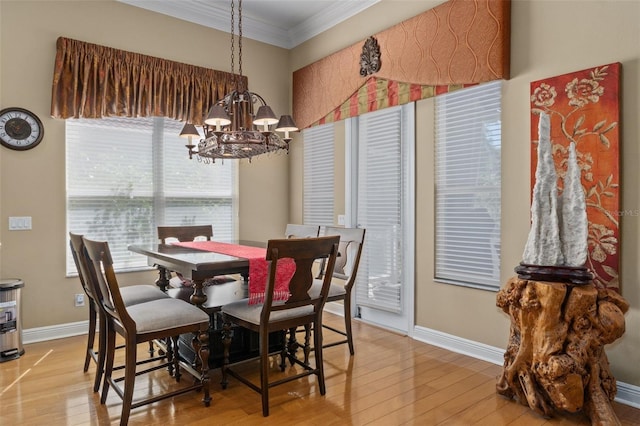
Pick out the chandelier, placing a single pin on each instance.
(231, 128)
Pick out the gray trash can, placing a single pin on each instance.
(10, 320)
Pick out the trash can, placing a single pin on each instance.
(10, 320)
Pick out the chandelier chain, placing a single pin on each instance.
(233, 60)
(241, 88)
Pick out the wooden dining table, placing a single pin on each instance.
(198, 266)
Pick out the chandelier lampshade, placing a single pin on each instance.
(233, 128)
(286, 125)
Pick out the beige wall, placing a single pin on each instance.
(548, 38)
(33, 182)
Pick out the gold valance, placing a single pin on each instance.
(93, 81)
(458, 43)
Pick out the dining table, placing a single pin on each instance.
(199, 266)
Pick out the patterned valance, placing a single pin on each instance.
(93, 81)
(456, 44)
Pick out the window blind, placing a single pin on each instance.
(318, 175)
(468, 183)
(381, 161)
(126, 176)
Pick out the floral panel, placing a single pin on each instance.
(584, 108)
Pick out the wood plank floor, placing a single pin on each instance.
(392, 380)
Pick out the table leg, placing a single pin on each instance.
(198, 297)
(163, 278)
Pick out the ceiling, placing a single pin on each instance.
(283, 23)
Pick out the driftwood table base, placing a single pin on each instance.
(555, 358)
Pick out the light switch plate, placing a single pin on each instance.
(341, 219)
(19, 223)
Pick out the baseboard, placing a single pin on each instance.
(334, 308)
(60, 331)
(627, 394)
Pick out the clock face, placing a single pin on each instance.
(20, 129)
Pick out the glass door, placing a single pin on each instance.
(380, 199)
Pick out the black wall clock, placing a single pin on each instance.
(20, 129)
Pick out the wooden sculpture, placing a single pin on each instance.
(555, 358)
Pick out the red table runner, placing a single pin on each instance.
(258, 267)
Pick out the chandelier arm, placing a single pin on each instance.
(254, 95)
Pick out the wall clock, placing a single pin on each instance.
(20, 129)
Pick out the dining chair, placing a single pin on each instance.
(140, 323)
(301, 231)
(294, 230)
(343, 277)
(300, 310)
(131, 295)
(185, 233)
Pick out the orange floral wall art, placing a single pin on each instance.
(584, 108)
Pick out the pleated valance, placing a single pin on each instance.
(93, 81)
(456, 44)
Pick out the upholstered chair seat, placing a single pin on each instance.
(132, 295)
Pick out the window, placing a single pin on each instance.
(125, 176)
(468, 182)
(318, 175)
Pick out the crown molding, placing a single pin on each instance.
(328, 18)
(217, 15)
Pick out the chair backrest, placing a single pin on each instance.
(77, 251)
(301, 231)
(100, 269)
(350, 250)
(304, 253)
(185, 233)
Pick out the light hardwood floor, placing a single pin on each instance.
(391, 380)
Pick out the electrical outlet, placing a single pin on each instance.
(79, 299)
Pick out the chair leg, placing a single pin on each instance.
(292, 345)
(91, 336)
(317, 347)
(226, 342)
(175, 358)
(129, 379)
(203, 352)
(108, 368)
(307, 343)
(264, 372)
(102, 351)
(287, 350)
(347, 321)
(169, 355)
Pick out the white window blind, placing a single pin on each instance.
(468, 181)
(126, 176)
(318, 175)
(381, 165)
